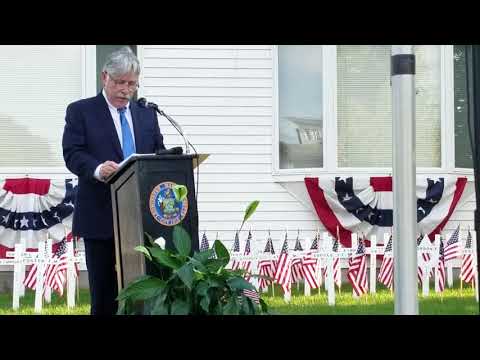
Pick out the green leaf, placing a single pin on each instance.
(205, 303)
(240, 283)
(245, 309)
(165, 258)
(263, 306)
(144, 251)
(121, 308)
(149, 239)
(185, 273)
(249, 211)
(180, 307)
(212, 283)
(142, 288)
(160, 308)
(182, 241)
(203, 256)
(221, 251)
(180, 192)
(231, 308)
(202, 288)
(198, 265)
(215, 265)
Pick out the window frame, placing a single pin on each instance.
(330, 150)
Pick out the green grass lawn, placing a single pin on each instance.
(58, 306)
(453, 302)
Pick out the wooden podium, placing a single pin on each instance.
(143, 202)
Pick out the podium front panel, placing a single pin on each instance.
(178, 172)
(128, 229)
(134, 215)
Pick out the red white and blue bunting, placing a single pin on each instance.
(32, 209)
(364, 205)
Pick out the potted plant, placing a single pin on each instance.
(189, 285)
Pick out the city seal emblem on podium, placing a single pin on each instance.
(164, 207)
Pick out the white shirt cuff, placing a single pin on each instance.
(96, 174)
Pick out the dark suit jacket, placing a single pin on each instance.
(90, 139)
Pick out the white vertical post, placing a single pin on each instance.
(18, 260)
(404, 169)
(318, 273)
(306, 289)
(437, 257)
(475, 263)
(22, 269)
(329, 283)
(70, 275)
(40, 275)
(354, 238)
(373, 264)
(449, 266)
(354, 247)
(48, 289)
(318, 269)
(425, 280)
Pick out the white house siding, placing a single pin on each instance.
(222, 95)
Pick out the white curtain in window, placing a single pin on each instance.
(364, 106)
(38, 82)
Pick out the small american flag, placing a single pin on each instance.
(425, 257)
(267, 267)
(337, 272)
(204, 244)
(252, 294)
(441, 266)
(54, 274)
(283, 274)
(385, 275)
(297, 267)
(467, 271)
(452, 249)
(357, 270)
(309, 265)
(236, 248)
(246, 264)
(314, 243)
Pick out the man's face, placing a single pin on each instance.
(120, 89)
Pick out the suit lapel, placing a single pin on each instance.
(109, 125)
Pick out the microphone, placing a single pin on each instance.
(142, 102)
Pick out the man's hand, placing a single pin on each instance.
(107, 169)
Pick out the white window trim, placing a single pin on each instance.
(329, 68)
(88, 86)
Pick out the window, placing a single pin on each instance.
(463, 149)
(364, 106)
(38, 82)
(300, 123)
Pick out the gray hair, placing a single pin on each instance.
(121, 62)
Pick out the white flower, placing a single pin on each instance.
(160, 242)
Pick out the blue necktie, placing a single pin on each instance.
(127, 138)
